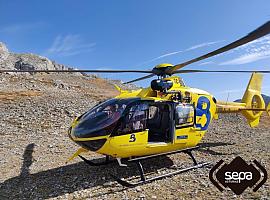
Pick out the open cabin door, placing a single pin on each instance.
(159, 122)
(184, 119)
(145, 122)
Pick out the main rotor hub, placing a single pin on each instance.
(160, 70)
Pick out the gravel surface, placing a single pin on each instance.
(36, 112)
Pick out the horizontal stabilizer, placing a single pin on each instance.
(119, 89)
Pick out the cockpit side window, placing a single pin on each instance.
(184, 115)
(134, 120)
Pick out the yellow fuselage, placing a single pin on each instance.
(123, 147)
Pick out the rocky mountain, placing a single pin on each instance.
(25, 61)
(265, 98)
(29, 61)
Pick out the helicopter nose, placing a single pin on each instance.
(93, 143)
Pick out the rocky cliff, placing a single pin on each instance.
(26, 61)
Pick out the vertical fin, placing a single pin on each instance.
(117, 87)
(253, 99)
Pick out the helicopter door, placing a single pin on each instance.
(184, 119)
(159, 123)
(131, 132)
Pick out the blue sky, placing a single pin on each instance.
(129, 34)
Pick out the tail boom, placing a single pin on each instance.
(252, 104)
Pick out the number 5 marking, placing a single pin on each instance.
(200, 111)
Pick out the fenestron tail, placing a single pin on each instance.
(252, 104)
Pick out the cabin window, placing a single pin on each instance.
(184, 115)
(153, 112)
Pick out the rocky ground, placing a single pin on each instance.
(36, 112)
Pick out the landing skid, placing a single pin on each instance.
(147, 180)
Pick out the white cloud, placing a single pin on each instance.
(206, 63)
(181, 51)
(205, 44)
(248, 58)
(69, 45)
(17, 28)
(168, 54)
(253, 51)
(162, 56)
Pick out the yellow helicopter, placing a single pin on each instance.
(166, 118)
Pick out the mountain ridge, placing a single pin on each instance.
(265, 97)
(26, 61)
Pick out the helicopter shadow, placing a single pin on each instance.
(206, 147)
(70, 178)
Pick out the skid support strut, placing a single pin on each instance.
(144, 180)
(189, 152)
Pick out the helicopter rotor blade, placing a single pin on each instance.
(80, 71)
(259, 32)
(139, 79)
(221, 71)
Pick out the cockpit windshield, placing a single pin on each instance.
(101, 119)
